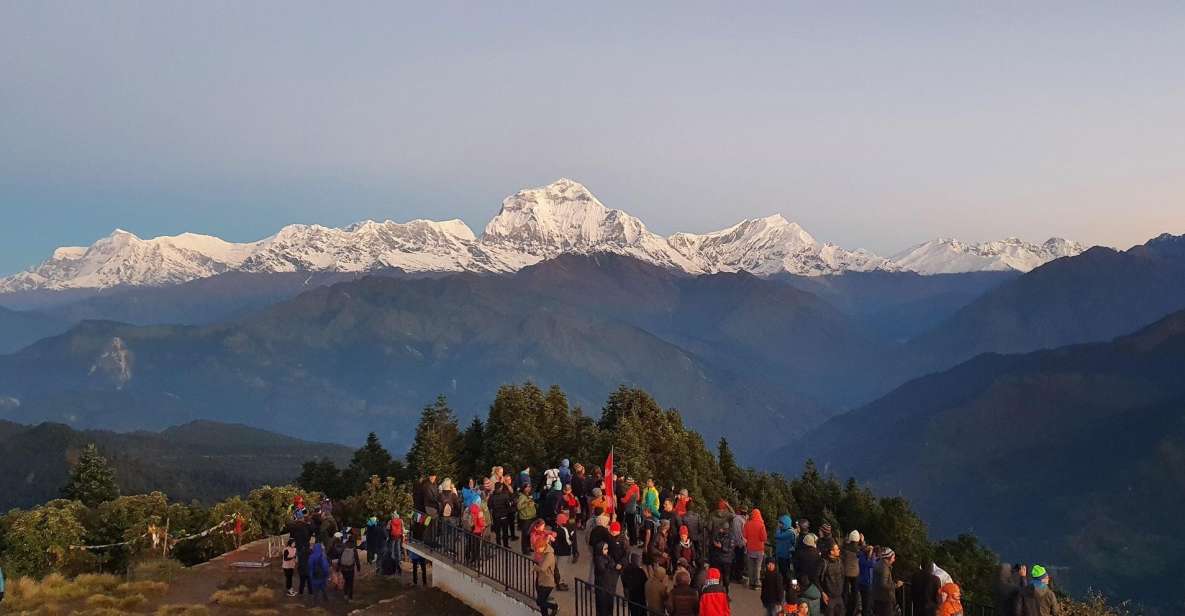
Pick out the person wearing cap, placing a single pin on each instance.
(884, 586)
(1037, 599)
(851, 571)
(713, 600)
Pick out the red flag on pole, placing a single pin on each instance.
(610, 497)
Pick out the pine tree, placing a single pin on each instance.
(323, 476)
(372, 459)
(437, 445)
(92, 481)
(731, 471)
(472, 454)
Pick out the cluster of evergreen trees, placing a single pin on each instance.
(529, 427)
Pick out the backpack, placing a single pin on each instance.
(347, 557)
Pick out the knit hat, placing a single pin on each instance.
(683, 492)
(339, 536)
(561, 519)
(1037, 572)
(596, 493)
(825, 528)
(887, 553)
(713, 575)
(615, 528)
(854, 536)
(683, 532)
(810, 540)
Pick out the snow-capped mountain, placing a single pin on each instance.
(532, 225)
(564, 217)
(948, 256)
(769, 245)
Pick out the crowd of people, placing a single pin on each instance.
(651, 546)
(647, 544)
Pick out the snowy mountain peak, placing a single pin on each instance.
(770, 245)
(561, 216)
(946, 255)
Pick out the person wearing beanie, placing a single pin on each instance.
(851, 571)
(884, 586)
(755, 536)
(713, 601)
(684, 547)
(1037, 599)
(597, 503)
(683, 599)
(807, 561)
(825, 531)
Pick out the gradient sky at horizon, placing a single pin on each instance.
(873, 126)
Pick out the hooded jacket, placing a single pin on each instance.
(755, 533)
(785, 539)
(565, 473)
(1036, 600)
(714, 600)
(650, 500)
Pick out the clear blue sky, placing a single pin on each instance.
(874, 126)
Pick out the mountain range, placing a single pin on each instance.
(533, 225)
(1074, 455)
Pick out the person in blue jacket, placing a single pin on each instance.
(319, 572)
(864, 584)
(784, 542)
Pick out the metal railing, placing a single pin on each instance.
(589, 597)
(503, 566)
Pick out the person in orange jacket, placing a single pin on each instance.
(755, 536)
(713, 600)
(951, 600)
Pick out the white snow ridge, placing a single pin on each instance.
(532, 225)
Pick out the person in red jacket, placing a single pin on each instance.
(713, 601)
(755, 536)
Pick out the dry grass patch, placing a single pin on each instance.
(182, 610)
(264, 612)
(25, 594)
(143, 587)
(155, 569)
(243, 597)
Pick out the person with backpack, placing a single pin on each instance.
(1036, 599)
(349, 564)
(288, 564)
(376, 543)
(474, 524)
(526, 516)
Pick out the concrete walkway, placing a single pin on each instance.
(745, 602)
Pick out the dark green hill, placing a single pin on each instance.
(1092, 297)
(19, 329)
(201, 460)
(1074, 455)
